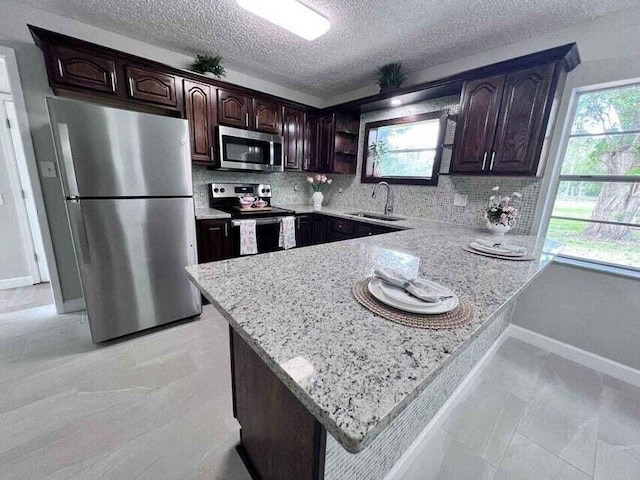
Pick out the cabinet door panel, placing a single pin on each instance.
(150, 86)
(310, 162)
(83, 69)
(477, 124)
(304, 231)
(200, 112)
(325, 143)
(293, 132)
(267, 117)
(233, 109)
(520, 130)
(213, 240)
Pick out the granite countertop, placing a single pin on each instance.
(352, 369)
(206, 213)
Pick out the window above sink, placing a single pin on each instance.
(405, 150)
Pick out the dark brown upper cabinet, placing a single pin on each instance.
(267, 116)
(325, 139)
(199, 103)
(520, 131)
(310, 142)
(475, 131)
(502, 122)
(82, 68)
(151, 86)
(293, 130)
(233, 109)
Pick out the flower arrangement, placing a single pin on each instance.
(377, 151)
(319, 183)
(501, 210)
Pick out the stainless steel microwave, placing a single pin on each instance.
(245, 150)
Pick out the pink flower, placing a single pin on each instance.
(310, 179)
(324, 179)
(329, 181)
(318, 178)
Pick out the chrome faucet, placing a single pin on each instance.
(388, 206)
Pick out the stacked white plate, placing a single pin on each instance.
(498, 248)
(399, 298)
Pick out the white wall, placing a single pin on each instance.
(594, 311)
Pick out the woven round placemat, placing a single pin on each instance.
(456, 318)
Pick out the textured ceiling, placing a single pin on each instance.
(364, 33)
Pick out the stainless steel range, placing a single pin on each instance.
(226, 197)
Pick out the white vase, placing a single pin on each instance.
(498, 228)
(317, 199)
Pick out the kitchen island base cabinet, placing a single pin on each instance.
(279, 438)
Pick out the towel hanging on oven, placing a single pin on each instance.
(287, 238)
(248, 241)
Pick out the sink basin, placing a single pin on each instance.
(377, 216)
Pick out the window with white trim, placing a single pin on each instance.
(596, 212)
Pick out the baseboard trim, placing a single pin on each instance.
(596, 362)
(403, 464)
(15, 282)
(74, 305)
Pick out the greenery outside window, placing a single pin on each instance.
(596, 213)
(404, 150)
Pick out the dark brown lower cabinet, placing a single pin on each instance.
(319, 229)
(304, 230)
(367, 229)
(213, 240)
(279, 438)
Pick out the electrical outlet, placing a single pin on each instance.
(48, 170)
(295, 187)
(339, 189)
(460, 200)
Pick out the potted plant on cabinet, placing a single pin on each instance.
(390, 76)
(209, 64)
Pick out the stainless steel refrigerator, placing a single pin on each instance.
(126, 178)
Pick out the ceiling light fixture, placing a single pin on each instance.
(290, 14)
(396, 102)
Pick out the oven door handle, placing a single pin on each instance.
(259, 221)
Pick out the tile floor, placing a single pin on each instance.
(23, 298)
(532, 415)
(158, 406)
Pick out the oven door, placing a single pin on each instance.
(245, 150)
(267, 235)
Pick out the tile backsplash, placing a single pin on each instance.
(434, 203)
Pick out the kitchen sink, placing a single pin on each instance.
(377, 216)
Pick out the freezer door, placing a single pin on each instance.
(108, 152)
(132, 255)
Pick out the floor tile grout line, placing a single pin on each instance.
(550, 452)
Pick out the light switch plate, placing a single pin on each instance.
(1, 199)
(48, 169)
(460, 200)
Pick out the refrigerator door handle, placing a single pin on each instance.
(77, 219)
(69, 177)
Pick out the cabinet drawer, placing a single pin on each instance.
(367, 229)
(340, 225)
(151, 87)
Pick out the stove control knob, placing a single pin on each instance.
(222, 190)
(268, 190)
(263, 190)
(216, 190)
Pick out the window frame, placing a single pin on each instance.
(559, 177)
(440, 115)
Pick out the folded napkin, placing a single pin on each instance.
(248, 241)
(417, 287)
(507, 247)
(287, 238)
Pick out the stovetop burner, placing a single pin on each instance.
(225, 197)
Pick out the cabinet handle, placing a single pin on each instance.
(257, 122)
(131, 87)
(493, 157)
(484, 160)
(212, 153)
(246, 119)
(226, 229)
